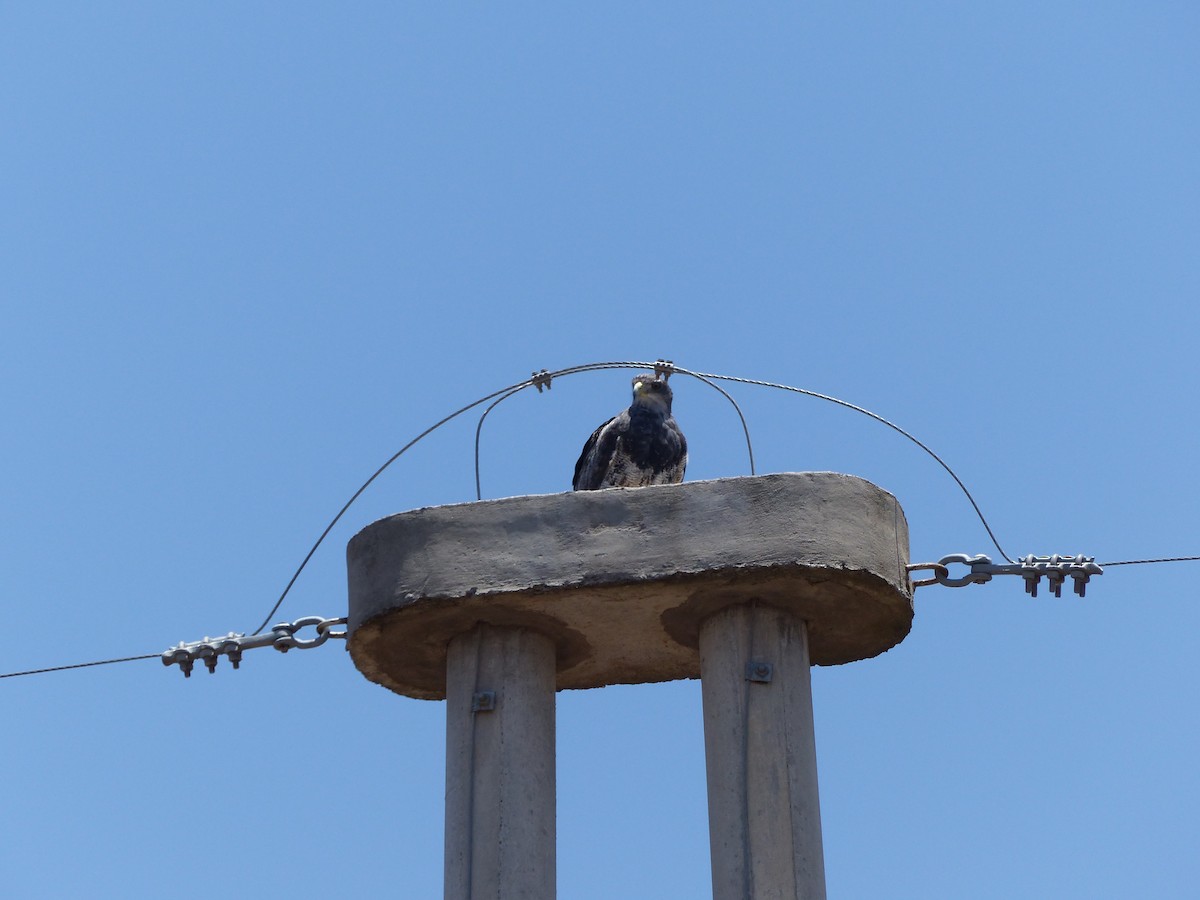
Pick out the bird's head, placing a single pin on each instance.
(648, 390)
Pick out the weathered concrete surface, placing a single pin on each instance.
(500, 778)
(764, 815)
(621, 579)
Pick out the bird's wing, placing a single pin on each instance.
(597, 454)
(681, 459)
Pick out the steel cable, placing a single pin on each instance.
(545, 378)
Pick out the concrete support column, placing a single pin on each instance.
(764, 815)
(500, 786)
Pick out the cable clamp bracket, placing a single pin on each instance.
(1056, 568)
(541, 380)
(282, 637)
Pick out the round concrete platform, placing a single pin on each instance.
(622, 578)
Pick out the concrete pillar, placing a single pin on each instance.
(500, 787)
(764, 815)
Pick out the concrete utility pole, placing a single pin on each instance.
(764, 818)
(742, 582)
(500, 764)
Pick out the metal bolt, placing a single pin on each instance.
(758, 671)
(1031, 582)
(231, 649)
(484, 701)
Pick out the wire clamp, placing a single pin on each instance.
(1056, 568)
(541, 380)
(664, 368)
(282, 637)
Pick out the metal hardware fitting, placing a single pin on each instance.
(663, 368)
(541, 379)
(483, 701)
(282, 637)
(1057, 568)
(760, 672)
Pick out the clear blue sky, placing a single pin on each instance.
(247, 252)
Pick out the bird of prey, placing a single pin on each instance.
(640, 446)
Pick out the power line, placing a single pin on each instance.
(538, 378)
(1143, 562)
(878, 418)
(545, 378)
(366, 484)
(105, 662)
(99, 662)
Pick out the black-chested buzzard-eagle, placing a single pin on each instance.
(641, 446)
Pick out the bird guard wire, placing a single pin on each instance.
(663, 369)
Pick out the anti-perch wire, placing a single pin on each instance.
(546, 378)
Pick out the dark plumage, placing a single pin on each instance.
(641, 446)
